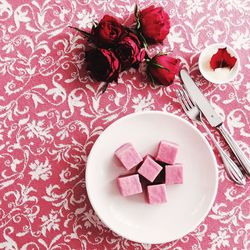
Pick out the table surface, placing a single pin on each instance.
(51, 113)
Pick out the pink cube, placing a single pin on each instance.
(128, 156)
(174, 174)
(129, 185)
(149, 169)
(167, 152)
(157, 193)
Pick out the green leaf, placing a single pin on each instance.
(159, 66)
(151, 77)
(138, 24)
(147, 58)
(137, 19)
(104, 88)
(86, 34)
(136, 11)
(143, 40)
(95, 24)
(162, 53)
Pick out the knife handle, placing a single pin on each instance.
(243, 160)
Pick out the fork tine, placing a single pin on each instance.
(188, 99)
(180, 99)
(183, 99)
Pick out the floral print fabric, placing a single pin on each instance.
(51, 113)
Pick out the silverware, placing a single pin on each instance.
(213, 118)
(194, 113)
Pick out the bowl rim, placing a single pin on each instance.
(232, 51)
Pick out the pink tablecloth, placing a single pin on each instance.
(51, 114)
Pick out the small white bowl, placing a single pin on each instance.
(219, 75)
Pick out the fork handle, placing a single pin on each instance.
(245, 163)
(232, 169)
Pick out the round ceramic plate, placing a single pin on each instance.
(188, 203)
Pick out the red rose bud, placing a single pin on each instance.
(162, 69)
(222, 59)
(154, 24)
(107, 32)
(103, 64)
(129, 52)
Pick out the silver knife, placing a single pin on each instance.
(213, 118)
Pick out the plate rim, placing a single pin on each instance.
(156, 112)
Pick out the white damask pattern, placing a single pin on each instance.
(51, 113)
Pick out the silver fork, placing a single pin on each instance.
(195, 114)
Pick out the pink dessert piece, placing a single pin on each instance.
(149, 169)
(167, 152)
(128, 156)
(174, 174)
(157, 193)
(129, 185)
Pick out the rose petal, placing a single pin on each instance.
(107, 32)
(222, 59)
(103, 64)
(163, 69)
(154, 24)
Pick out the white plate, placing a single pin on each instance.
(219, 75)
(188, 203)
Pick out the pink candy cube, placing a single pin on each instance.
(128, 156)
(157, 193)
(149, 169)
(174, 174)
(129, 185)
(167, 152)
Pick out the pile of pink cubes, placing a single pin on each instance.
(151, 173)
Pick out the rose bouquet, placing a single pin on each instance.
(116, 48)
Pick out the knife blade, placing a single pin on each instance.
(196, 95)
(213, 118)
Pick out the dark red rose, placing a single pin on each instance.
(128, 51)
(103, 64)
(222, 59)
(107, 32)
(154, 24)
(163, 68)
